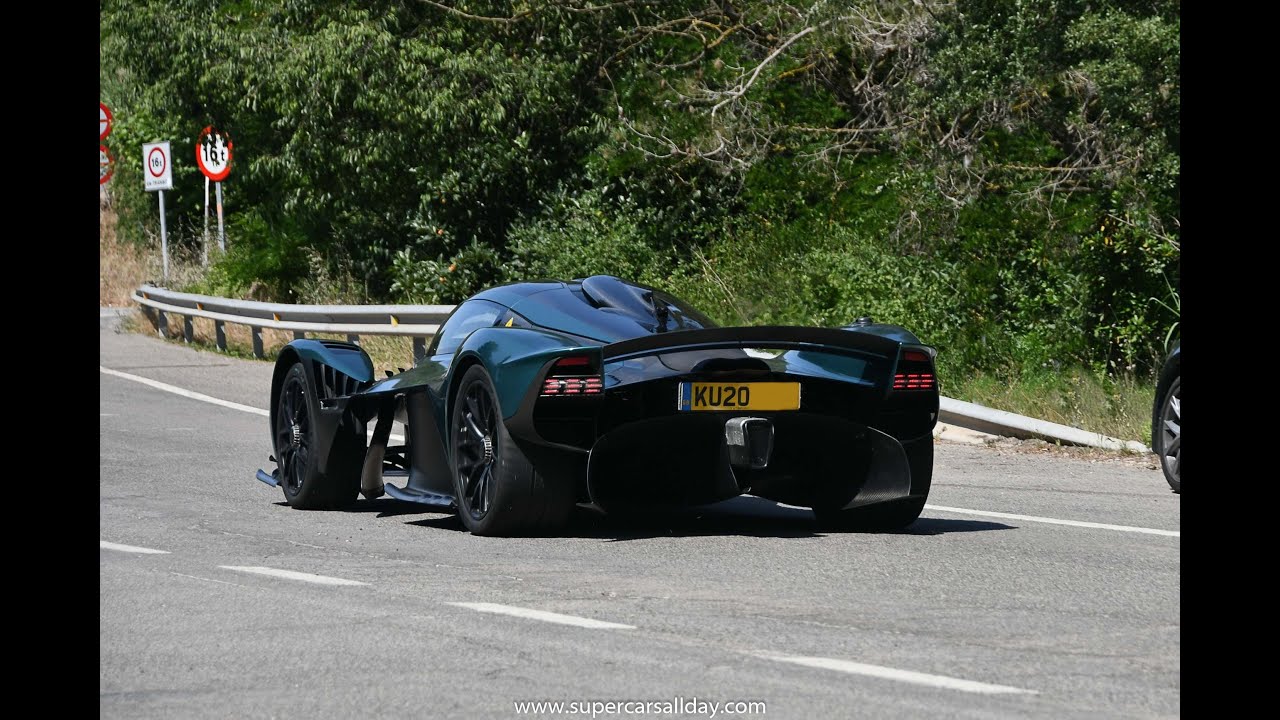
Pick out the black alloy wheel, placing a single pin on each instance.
(293, 434)
(476, 449)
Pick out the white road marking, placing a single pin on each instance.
(543, 615)
(293, 575)
(888, 673)
(1055, 521)
(201, 396)
(183, 392)
(104, 545)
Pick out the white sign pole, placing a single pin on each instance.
(222, 236)
(164, 239)
(157, 174)
(206, 222)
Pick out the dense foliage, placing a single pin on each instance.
(1000, 175)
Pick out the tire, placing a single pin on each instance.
(299, 449)
(1167, 434)
(498, 490)
(881, 517)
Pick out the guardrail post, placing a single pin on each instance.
(257, 342)
(220, 332)
(188, 332)
(419, 350)
(299, 335)
(353, 339)
(162, 324)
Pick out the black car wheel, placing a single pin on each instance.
(299, 452)
(498, 490)
(1170, 434)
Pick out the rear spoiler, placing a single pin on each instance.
(788, 337)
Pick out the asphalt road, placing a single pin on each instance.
(962, 615)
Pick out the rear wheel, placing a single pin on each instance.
(498, 490)
(299, 449)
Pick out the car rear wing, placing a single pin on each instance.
(784, 337)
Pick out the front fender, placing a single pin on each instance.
(347, 358)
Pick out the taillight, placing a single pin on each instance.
(572, 386)
(915, 372)
(914, 381)
(571, 376)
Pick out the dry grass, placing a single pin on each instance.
(122, 266)
(1119, 407)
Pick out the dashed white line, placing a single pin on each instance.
(293, 575)
(530, 614)
(104, 545)
(1055, 521)
(907, 676)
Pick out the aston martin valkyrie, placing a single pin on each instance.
(536, 397)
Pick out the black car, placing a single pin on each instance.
(537, 396)
(1166, 418)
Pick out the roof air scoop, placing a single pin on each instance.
(610, 292)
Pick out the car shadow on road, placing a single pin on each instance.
(741, 516)
(941, 526)
(384, 506)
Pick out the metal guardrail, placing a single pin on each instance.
(421, 321)
(416, 321)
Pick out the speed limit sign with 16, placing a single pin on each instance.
(157, 166)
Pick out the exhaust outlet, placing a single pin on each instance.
(750, 442)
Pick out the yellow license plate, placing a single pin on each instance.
(721, 396)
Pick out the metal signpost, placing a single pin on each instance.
(213, 156)
(157, 174)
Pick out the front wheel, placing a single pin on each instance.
(301, 451)
(498, 490)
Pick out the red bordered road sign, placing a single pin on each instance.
(106, 164)
(104, 121)
(213, 154)
(157, 173)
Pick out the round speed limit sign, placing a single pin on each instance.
(157, 170)
(213, 154)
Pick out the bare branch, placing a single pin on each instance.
(745, 86)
